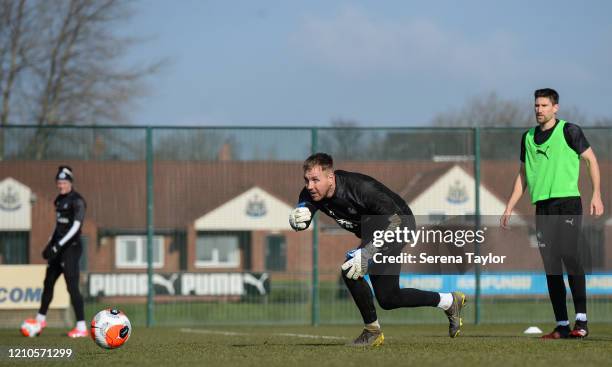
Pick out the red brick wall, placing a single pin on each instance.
(191, 247)
(258, 248)
(102, 254)
(332, 252)
(332, 248)
(43, 224)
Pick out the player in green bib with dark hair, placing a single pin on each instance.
(550, 156)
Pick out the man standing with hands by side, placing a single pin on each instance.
(550, 166)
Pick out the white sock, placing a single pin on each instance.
(563, 323)
(373, 326)
(40, 317)
(446, 300)
(581, 317)
(81, 326)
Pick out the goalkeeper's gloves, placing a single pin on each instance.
(299, 218)
(51, 251)
(357, 262)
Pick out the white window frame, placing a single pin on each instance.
(215, 262)
(120, 242)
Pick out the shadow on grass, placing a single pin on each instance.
(288, 344)
(569, 340)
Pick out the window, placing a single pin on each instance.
(276, 253)
(218, 250)
(14, 247)
(131, 252)
(437, 218)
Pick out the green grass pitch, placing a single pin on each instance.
(271, 346)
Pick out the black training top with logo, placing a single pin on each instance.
(69, 207)
(356, 195)
(574, 137)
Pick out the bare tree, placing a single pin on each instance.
(492, 111)
(489, 110)
(196, 145)
(573, 114)
(61, 65)
(486, 110)
(603, 122)
(12, 49)
(344, 140)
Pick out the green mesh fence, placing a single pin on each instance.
(500, 154)
(223, 252)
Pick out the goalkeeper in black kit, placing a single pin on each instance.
(350, 199)
(64, 250)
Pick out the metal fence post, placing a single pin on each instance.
(315, 249)
(149, 139)
(477, 221)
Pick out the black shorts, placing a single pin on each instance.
(68, 260)
(558, 231)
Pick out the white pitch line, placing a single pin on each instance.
(311, 336)
(218, 332)
(232, 333)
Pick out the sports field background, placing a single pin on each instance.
(202, 314)
(414, 345)
(302, 294)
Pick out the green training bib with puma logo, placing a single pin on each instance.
(552, 168)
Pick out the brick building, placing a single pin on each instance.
(226, 216)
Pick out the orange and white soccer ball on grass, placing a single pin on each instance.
(110, 328)
(31, 328)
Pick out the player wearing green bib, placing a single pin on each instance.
(550, 167)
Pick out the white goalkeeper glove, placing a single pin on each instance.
(356, 264)
(299, 218)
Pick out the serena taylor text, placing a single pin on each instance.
(424, 258)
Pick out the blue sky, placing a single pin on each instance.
(380, 63)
